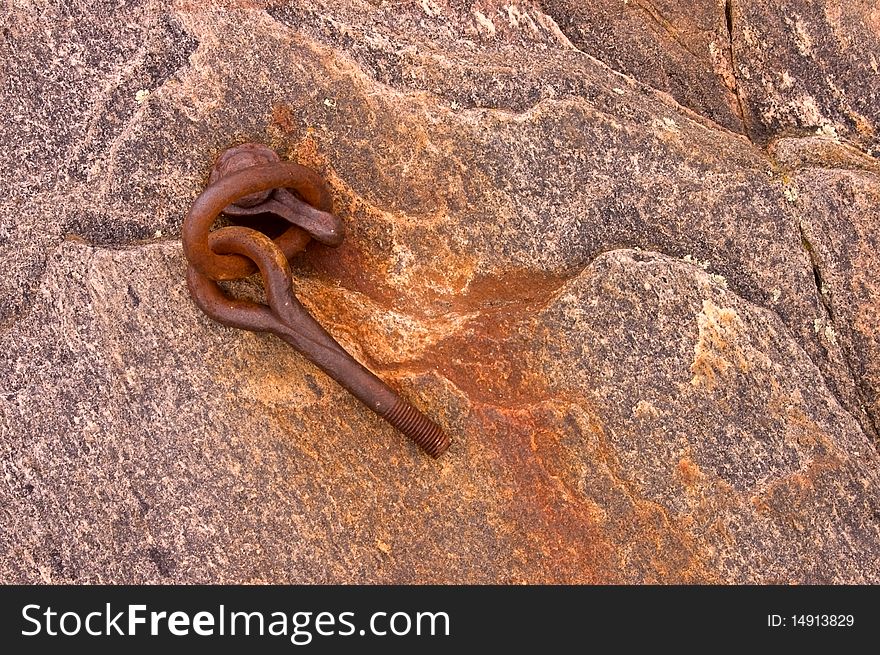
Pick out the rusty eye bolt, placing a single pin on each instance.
(249, 183)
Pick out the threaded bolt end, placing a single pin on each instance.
(417, 427)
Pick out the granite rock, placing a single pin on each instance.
(643, 307)
(684, 49)
(807, 67)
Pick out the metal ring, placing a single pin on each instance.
(273, 267)
(225, 191)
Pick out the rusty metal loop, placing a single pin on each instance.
(249, 180)
(284, 316)
(243, 314)
(225, 192)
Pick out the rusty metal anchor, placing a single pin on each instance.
(249, 181)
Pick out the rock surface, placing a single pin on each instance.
(683, 48)
(809, 66)
(626, 274)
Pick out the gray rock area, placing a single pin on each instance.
(625, 254)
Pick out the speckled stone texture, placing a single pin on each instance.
(624, 253)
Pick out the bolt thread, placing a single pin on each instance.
(417, 427)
